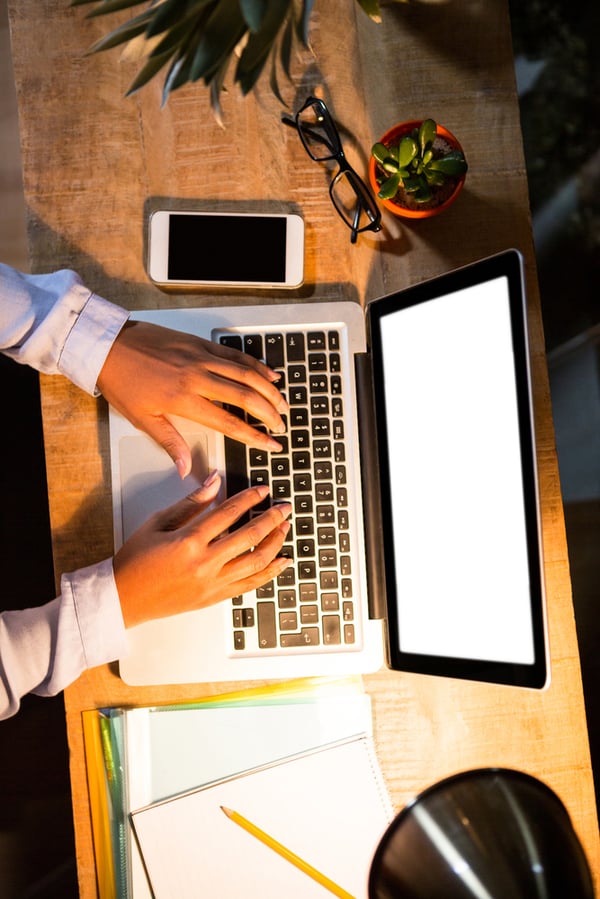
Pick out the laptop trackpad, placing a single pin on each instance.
(149, 479)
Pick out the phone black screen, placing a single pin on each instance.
(229, 248)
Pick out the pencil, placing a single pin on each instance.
(286, 853)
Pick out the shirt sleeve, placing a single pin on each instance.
(43, 650)
(56, 325)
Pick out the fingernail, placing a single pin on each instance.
(275, 445)
(279, 429)
(284, 508)
(282, 406)
(274, 375)
(182, 468)
(210, 478)
(263, 491)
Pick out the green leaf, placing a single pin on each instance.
(427, 134)
(223, 30)
(371, 7)
(411, 185)
(407, 150)
(172, 13)
(380, 152)
(123, 34)
(112, 6)
(260, 44)
(254, 12)
(390, 187)
(153, 65)
(453, 163)
(303, 21)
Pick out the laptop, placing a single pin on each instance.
(410, 463)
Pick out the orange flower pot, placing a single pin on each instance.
(394, 136)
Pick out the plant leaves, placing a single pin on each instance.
(172, 13)
(222, 31)
(427, 134)
(259, 45)
(453, 163)
(407, 150)
(112, 6)
(123, 33)
(390, 187)
(303, 21)
(153, 65)
(254, 12)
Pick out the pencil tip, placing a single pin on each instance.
(226, 810)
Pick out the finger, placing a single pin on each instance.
(228, 512)
(187, 509)
(213, 416)
(253, 569)
(202, 393)
(166, 435)
(234, 355)
(252, 534)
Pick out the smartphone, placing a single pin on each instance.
(222, 248)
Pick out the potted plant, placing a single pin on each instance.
(417, 169)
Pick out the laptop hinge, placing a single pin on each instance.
(370, 486)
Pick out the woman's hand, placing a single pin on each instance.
(182, 558)
(152, 373)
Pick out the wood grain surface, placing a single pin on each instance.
(96, 163)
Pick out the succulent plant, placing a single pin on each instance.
(418, 164)
(198, 38)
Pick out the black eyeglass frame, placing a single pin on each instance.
(332, 140)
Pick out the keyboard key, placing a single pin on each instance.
(232, 340)
(302, 483)
(286, 599)
(258, 458)
(319, 405)
(280, 467)
(288, 621)
(330, 602)
(253, 345)
(308, 636)
(307, 569)
(317, 362)
(239, 640)
(298, 395)
(316, 340)
(295, 347)
(297, 374)
(318, 383)
(309, 614)
(331, 630)
(299, 417)
(274, 350)
(303, 504)
(323, 491)
(308, 592)
(333, 340)
(349, 636)
(267, 627)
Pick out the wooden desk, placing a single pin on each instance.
(92, 161)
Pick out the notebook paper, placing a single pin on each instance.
(329, 806)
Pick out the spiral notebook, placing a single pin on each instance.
(330, 807)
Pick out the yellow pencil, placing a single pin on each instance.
(287, 854)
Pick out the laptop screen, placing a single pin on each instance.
(458, 483)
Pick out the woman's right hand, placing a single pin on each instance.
(183, 557)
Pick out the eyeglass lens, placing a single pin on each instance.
(352, 200)
(318, 132)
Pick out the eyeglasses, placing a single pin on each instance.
(349, 194)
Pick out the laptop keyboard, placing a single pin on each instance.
(312, 603)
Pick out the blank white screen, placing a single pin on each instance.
(455, 475)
